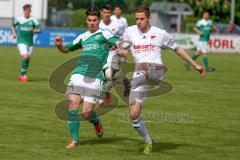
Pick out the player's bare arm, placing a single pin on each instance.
(121, 52)
(197, 31)
(58, 43)
(183, 54)
(14, 33)
(35, 30)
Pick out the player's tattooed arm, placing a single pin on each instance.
(58, 43)
(184, 55)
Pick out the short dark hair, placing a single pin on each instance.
(118, 6)
(25, 6)
(206, 11)
(107, 7)
(93, 11)
(144, 9)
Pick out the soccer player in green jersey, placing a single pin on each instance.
(204, 28)
(86, 80)
(25, 26)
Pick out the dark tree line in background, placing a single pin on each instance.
(220, 9)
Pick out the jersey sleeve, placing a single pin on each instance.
(15, 22)
(168, 41)
(75, 45)
(211, 23)
(198, 24)
(36, 23)
(110, 37)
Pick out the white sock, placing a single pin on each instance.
(142, 130)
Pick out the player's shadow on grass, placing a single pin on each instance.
(157, 147)
(124, 141)
(108, 140)
(38, 79)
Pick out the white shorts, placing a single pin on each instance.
(89, 89)
(139, 90)
(202, 46)
(24, 49)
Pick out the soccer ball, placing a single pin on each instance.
(111, 71)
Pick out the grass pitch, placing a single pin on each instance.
(199, 119)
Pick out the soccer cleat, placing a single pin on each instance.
(99, 130)
(210, 69)
(127, 86)
(72, 144)
(202, 72)
(147, 149)
(107, 98)
(187, 66)
(23, 79)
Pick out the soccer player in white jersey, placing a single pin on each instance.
(26, 26)
(85, 83)
(113, 59)
(106, 22)
(122, 21)
(146, 46)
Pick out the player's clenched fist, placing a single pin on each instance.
(58, 41)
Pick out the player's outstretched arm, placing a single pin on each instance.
(58, 43)
(184, 55)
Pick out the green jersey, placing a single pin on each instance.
(204, 26)
(95, 47)
(25, 35)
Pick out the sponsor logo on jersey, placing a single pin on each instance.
(144, 48)
(170, 43)
(24, 28)
(90, 47)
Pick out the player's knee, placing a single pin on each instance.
(86, 115)
(73, 103)
(134, 115)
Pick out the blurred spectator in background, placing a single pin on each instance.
(231, 27)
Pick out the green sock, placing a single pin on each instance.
(74, 124)
(93, 118)
(205, 61)
(194, 56)
(25, 64)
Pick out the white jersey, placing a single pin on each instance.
(146, 47)
(113, 27)
(122, 22)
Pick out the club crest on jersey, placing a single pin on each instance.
(152, 37)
